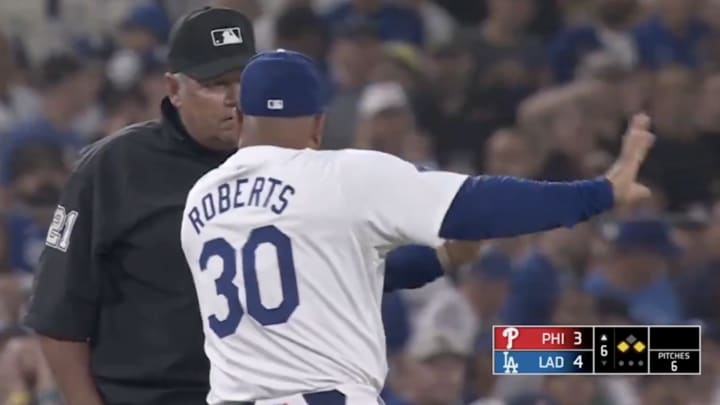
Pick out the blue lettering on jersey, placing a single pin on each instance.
(262, 192)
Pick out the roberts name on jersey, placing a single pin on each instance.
(265, 192)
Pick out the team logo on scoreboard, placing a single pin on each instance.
(509, 364)
(510, 334)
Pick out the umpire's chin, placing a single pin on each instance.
(229, 131)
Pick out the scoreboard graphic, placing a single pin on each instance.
(629, 350)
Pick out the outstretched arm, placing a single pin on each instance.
(495, 207)
(403, 206)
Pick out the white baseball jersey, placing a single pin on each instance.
(287, 250)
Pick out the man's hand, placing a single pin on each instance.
(623, 174)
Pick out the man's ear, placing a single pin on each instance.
(172, 89)
(318, 132)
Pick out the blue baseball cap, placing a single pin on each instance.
(648, 235)
(282, 84)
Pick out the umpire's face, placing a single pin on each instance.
(209, 110)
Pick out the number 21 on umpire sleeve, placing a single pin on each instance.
(225, 284)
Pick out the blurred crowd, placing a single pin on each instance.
(540, 89)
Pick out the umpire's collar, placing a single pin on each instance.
(174, 128)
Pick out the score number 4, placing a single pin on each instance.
(578, 361)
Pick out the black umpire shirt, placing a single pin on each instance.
(114, 274)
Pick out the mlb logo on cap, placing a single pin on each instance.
(275, 104)
(282, 84)
(226, 36)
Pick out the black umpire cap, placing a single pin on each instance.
(210, 42)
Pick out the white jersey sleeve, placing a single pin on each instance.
(401, 203)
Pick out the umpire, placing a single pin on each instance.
(114, 302)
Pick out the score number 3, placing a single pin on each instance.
(225, 284)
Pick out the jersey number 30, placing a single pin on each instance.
(226, 287)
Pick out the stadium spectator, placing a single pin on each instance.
(354, 54)
(401, 63)
(509, 153)
(302, 29)
(701, 287)
(439, 27)
(608, 34)
(673, 99)
(394, 23)
(453, 112)
(638, 272)
(37, 173)
(18, 103)
(486, 287)
(508, 57)
(672, 36)
(145, 28)
(386, 123)
(539, 278)
(69, 91)
(442, 346)
(480, 385)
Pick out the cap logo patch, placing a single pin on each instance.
(226, 36)
(275, 104)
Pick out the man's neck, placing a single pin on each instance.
(280, 132)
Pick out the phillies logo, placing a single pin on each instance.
(510, 334)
